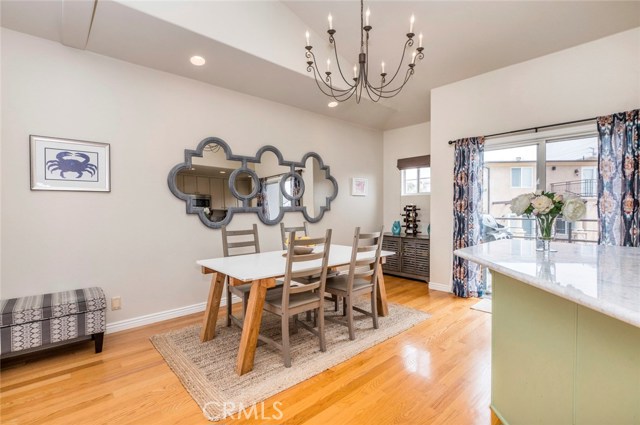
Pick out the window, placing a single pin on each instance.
(522, 177)
(416, 181)
(563, 160)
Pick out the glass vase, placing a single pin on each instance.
(546, 224)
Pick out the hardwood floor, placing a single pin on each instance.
(435, 373)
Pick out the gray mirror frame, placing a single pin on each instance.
(246, 199)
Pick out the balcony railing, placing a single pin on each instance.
(587, 188)
(526, 228)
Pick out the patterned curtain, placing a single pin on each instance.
(619, 179)
(467, 202)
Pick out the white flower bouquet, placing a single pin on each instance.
(546, 207)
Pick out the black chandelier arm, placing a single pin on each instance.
(338, 96)
(386, 94)
(317, 73)
(375, 97)
(332, 41)
(367, 85)
(407, 44)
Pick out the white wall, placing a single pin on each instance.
(597, 78)
(399, 143)
(137, 241)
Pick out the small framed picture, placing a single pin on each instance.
(62, 164)
(359, 186)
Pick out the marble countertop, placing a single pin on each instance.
(603, 278)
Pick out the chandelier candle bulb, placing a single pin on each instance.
(330, 21)
(383, 67)
(419, 45)
(411, 21)
(309, 44)
(328, 65)
(367, 17)
(355, 71)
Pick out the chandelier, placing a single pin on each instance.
(361, 82)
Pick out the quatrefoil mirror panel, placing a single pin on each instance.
(215, 184)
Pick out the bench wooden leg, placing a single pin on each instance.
(98, 338)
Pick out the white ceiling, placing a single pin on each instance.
(258, 47)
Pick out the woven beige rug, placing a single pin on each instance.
(207, 370)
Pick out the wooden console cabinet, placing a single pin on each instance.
(412, 256)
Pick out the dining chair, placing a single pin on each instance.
(249, 244)
(362, 278)
(284, 232)
(294, 298)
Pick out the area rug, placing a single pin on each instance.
(483, 305)
(207, 370)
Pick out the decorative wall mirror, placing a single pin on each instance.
(216, 184)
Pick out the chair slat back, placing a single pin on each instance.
(284, 231)
(253, 241)
(363, 243)
(316, 276)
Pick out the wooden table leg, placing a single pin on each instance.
(208, 331)
(251, 326)
(383, 308)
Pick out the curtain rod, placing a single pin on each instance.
(534, 129)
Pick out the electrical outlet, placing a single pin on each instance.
(116, 303)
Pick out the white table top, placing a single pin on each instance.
(603, 278)
(272, 264)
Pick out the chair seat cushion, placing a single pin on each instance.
(16, 311)
(340, 283)
(274, 297)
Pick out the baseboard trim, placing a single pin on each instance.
(160, 316)
(439, 287)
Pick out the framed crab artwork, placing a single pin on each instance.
(63, 164)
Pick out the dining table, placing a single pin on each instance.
(262, 270)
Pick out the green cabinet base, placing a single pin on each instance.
(556, 362)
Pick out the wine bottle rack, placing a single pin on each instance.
(411, 220)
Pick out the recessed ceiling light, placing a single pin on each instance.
(198, 60)
(332, 104)
(223, 172)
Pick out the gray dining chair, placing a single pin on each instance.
(362, 278)
(284, 232)
(244, 242)
(294, 298)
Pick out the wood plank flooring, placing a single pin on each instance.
(435, 373)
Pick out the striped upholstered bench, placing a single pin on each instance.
(39, 320)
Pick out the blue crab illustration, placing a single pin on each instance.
(68, 165)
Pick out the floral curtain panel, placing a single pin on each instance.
(619, 179)
(467, 202)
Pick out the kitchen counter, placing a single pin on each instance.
(603, 278)
(565, 332)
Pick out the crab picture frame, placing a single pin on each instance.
(72, 165)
